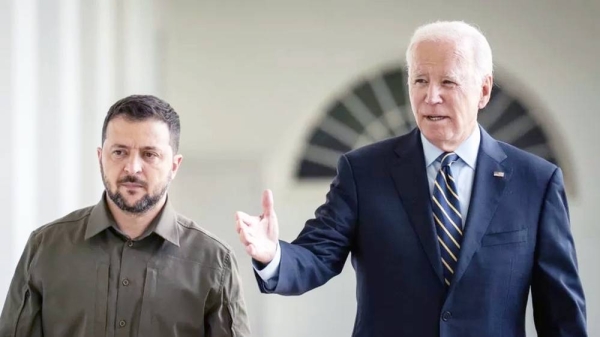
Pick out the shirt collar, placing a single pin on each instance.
(467, 151)
(164, 224)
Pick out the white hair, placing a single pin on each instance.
(463, 36)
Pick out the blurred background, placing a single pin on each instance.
(270, 93)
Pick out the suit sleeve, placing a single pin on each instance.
(22, 312)
(320, 251)
(557, 293)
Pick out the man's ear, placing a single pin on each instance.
(177, 159)
(486, 91)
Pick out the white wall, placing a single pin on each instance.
(6, 246)
(250, 80)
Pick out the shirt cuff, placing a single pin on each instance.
(271, 270)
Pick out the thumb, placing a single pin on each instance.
(267, 203)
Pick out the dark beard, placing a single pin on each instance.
(146, 203)
(141, 206)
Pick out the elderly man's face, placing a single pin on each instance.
(445, 93)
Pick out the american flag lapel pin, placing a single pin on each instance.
(498, 174)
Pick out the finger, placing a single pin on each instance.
(247, 219)
(251, 250)
(243, 238)
(242, 215)
(267, 203)
(239, 225)
(246, 237)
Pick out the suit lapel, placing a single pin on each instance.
(487, 191)
(410, 178)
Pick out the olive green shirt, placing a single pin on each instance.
(80, 276)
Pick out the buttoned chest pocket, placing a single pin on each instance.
(175, 296)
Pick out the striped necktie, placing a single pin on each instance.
(447, 216)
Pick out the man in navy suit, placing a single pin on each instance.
(448, 228)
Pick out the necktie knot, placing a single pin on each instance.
(448, 158)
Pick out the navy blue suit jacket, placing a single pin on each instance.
(517, 236)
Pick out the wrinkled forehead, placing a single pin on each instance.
(442, 57)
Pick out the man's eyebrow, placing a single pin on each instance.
(145, 148)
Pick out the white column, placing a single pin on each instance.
(24, 54)
(106, 80)
(69, 108)
(6, 225)
(140, 46)
(105, 62)
(99, 39)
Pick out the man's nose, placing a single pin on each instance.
(133, 165)
(433, 94)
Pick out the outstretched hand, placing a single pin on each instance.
(259, 234)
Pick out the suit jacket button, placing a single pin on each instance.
(446, 316)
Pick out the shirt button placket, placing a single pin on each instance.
(125, 282)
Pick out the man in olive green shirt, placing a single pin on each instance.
(130, 265)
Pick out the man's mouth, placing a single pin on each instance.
(435, 118)
(131, 185)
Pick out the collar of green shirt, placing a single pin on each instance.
(165, 223)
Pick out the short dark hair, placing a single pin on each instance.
(143, 107)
